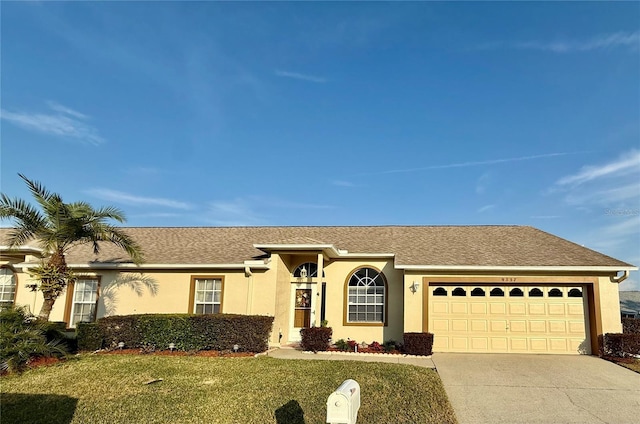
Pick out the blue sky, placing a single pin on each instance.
(200, 114)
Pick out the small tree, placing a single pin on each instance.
(58, 226)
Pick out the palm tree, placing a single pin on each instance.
(58, 226)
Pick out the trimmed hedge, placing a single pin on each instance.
(89, 336)
(631, 325)
(621, 345)
(187, 332)
(316, 338)
(418, 343)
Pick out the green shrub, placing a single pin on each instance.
(342, 345)
(631, 325)
(621, 345)
(187, 332)
(316, 338)
(23, 337)
(418, 343)
(89, 336)
(390, 345)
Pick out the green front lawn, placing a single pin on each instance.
(112, 389)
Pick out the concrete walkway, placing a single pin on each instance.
(289, 353)
(493, 388)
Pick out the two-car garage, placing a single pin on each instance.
(489, 317)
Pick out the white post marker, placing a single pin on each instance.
(344, 403)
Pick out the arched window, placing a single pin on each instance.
(535, 292)
(516, 292)
(555, 293)
(7, 287)
(477, 292)
(307, 269)
(458, 291)
(497, 292)
(440, 291)
(366, 291)
(575, 293)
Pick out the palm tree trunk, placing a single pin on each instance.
(47, 306)
(54, 288)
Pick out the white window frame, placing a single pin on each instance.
(359, 287)
(201, 295)
(91, 301)
(7, 287)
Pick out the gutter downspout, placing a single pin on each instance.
(249, 275)
(618, 280)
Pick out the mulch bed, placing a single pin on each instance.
(365, 350)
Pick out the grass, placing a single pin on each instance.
(111, 388)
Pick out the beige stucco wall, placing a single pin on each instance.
(337, 273)
(413, 302)
(609, 307)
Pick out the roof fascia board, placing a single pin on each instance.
(112, 265)
(513, 268)
(329, 249)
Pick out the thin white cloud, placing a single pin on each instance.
(619, 39)
(298, 76)
(486, 208)
(131, 199)
(61, 122)
(609, 196)
(544, 216)
(482, 183)
(469, 164)
(627, 163)
(66, 110)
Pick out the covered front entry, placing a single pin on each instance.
(547, 318)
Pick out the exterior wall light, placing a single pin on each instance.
(414, 287)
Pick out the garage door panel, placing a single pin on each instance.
(557, 327)
(459, 325)
(497, 308)
(517, 309)
(459, 308)
(499, 344)
(556, 309)
(479, 326)
(537, 326)
(549, 324)
(538, 345)
(537, 309)
(440, 307)
(478, 308)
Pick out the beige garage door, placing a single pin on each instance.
(540, 319)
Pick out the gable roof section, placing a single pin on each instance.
(448, 246)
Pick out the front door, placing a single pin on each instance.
(303, 309)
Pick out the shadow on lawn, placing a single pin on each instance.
(290, 413)
(37, 408)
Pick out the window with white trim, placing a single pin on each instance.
(7, 287)
(366, 293)
(85, 298)
(208, 296)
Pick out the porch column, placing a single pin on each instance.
(318, 289)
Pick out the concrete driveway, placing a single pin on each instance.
(501, 388)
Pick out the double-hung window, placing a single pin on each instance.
(207, 295)
(7, 287)
(85, 299)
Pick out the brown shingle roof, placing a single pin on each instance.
(412, 245)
